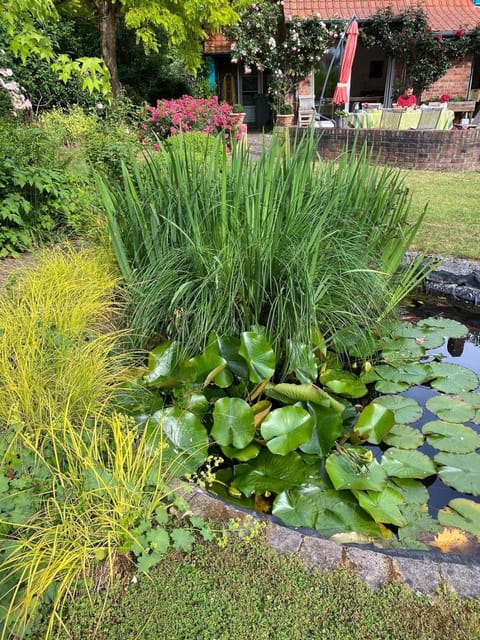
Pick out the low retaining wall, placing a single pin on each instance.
(454, 150)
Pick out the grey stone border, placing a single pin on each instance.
(457, 279)
(424, 573)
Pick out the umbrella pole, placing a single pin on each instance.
(329, 70)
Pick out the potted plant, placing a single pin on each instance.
(238, 113)
(340, 116)
(285, 115)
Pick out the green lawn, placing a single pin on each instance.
(452, 223)
(245, 592)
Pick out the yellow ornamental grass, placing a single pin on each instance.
(56, 339)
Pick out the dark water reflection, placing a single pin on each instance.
(464, 352)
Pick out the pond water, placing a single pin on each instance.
(464, 352)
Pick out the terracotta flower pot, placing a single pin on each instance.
(238, 118)
(285, 119)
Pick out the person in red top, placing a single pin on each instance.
(407, 99)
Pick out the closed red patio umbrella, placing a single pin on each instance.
(341, 90)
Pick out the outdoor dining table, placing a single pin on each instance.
(371, 119)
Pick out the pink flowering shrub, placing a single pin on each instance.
(207, 115)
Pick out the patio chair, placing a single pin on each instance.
(306, 111)
(429, 118)
(391, 119)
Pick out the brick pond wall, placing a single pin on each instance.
(453, 150)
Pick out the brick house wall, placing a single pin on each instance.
(455, 82)
(454, 150)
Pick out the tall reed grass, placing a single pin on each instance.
(287, 242)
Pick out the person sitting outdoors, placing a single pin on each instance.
(407, 99)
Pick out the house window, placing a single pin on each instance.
(376, 68)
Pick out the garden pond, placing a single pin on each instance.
(379, 449)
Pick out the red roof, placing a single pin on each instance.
(443, 15)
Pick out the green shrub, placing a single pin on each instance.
(195, 145)
(71, 127)
(108, 149)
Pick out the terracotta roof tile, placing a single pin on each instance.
(444, 15)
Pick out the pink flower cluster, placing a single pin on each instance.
(208, 115)
(444, 97)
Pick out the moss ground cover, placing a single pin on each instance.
(245, 592)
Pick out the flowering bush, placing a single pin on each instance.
(288, 51)
(207, 115)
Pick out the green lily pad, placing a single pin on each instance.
(343, 383)
(451, 437)
(258, 354)
(463, 514)
(286, 428)
(444, 326)
(346, 472)
(383, 506)
(460, 471)
(405, 410)
(452, 378)
(401, 349)
(419, 523)
(250, 452)
(303, 362)
(402, 463)
(329, 512)
(327, 427)
(233, 423)
(451, 408)
(473, 398)
(374, 422)
(414, 491)
(270, 472)
(412, 373)
(403, 437)
(425, 336)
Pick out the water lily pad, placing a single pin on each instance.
(419, 528)
(347, 473)
(463, 514)
(451, 408)
(414, 491)
(327, 427)
(401, 463)
(233, 423)
(405, 410)
(452, 378)
(286, 428)
(403, 437)
(448, 436)
(374, 422)
(383, 506)
(444, 326)
(473, 398)
(243, 455)
(402, 349)
(395, 378)
(258, 354)
(270, 472)
(425, 336)
(330, 512)
(460, 471)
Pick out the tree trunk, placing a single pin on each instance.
(108, 13)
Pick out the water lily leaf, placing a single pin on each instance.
(402, 463)
(401, 349)
(346, 472)
(348, 387)
(463, 514)
(258, 354)
(250, 452)
(303, 362)
(374, 422)
(419, 528)
(327, 427)
(229, 347)
(444, 326)
(448, 436)
(160, 364)
(403, 437)
(391, 386)
(270, 472)
(451, 408)
(460, 471)
(452, 378)
(426, 337)
(185, 436)
(329, 512)
(207, 362)
(410, 373)
(286, 428)
(233, 423)
(405, 410)
(414, 491)
(383, 505)
(473, 398)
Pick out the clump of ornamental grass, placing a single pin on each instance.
(56, 337)
(103, 515)
(287, 242)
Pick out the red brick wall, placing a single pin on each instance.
(454, 150)
(455, 82)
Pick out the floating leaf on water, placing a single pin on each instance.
(346, 472)
(270, 472)
(462, 513)
(451, 540)
(460, 471)
(258, 354)
(405, 410)
(348, 387)
(374, 422)
(401, 349)
(448, 436)
(403, 437)
(387, 386)
(243, 455)
(414, 491)
(452, 378)
(420, 528)
(427, 337)
(473, 398)
(401, 463)
(448, 328)
(233, 423)
(286, 428)
(383, 506)
(451, 408)
(327, 427)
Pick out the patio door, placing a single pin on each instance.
(250, 86)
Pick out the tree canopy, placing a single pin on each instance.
(185, 24)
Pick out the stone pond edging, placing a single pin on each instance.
(424, 573)
(456, 278)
